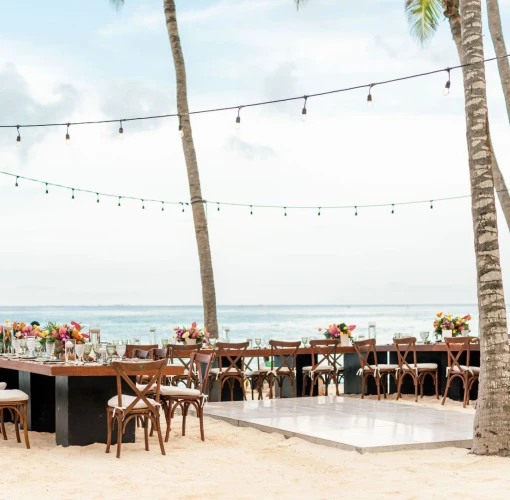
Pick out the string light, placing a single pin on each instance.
(369, 96)
(392, 208)
(18, 139)
(162, 206)
(118, 204)
(431, 205)
(303, 112)
(97, 201)
(182, 205)
(356, 211)
(251, 209)
(181, 131)
(72, 197)
(446, 90)
(121, 131)
(238, 119)
(143, 205)
(285, 211)
(319, 212)
(17, 177)
(46, 188)
(218, 206)
(68, 137)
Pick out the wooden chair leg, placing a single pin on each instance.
(119, 435)
(146, 432)
(363, 382)
(292, 381)
(326, 384)
(108, 431)
(2, 425)
(378, 385)
(200, 413)
(160, 435)
(168, 418)
(448, 381)
(399, 386)
(436, 378)
(303, 389)
(241, 381)
(416, 381)
(336, 384)
(219, 381)
(16, 426)
(25, 425)
(185, 408)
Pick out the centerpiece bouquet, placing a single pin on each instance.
(22, 330)
(60, 333)
(340, 331)
(5, 336)
(448, 325)
(192, 335)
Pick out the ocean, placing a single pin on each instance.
(265, 322)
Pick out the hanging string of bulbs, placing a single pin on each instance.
(251, 206)
(304, 110)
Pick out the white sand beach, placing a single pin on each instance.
(237, 462)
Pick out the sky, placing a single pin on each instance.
(86, 61)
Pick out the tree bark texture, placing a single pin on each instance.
(197, 204)
(491, 433)
(452, 12)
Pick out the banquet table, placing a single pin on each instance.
(68, 400)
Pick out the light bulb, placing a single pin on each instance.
(18, 141)
(16, 182)
(181, 131)
(68, 138)
(238, 123)
(121, 133)
(303, 115)
(369, 100)
(446, 90)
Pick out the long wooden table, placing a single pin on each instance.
(68, 400)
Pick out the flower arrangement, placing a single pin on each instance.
(5, 334)
(455, 324)
(22, 330)
(182, 334)
(53, 333)
(334, 331)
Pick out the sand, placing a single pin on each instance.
(244, 463)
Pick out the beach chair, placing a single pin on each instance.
(286, 352)
(173, 397)
(366, 349)
(122, 408)
(324, 365)
(16, 402)
(417, 371)
(456, 347)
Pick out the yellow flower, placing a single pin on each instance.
(7, 320)
(449, 316)
(44, 334)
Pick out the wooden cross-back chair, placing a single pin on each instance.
(16, 402)
(257, 377)
(181, 355)
(366, 349)
(324, 359)
(173, 397)
(131, 349)
(230, 356)
(123, 408)
(406, 347)
(287, 353)
(456, 347)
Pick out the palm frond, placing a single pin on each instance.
(423, 17)
(118, 4)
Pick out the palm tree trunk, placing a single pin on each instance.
(491, 433)
(197, 203)
(499, 182)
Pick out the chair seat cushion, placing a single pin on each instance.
(126, 401)
(472, 369)
(141, 387)
(7, 395)
(381, 367)
(423, 366)
(216, 371)
(282, 369)
(263, 369)
(3, 385)
(171, 390)
(320, 368)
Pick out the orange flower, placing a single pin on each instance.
(319, 329)
(439, 314)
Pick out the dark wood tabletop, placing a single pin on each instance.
(69, 370)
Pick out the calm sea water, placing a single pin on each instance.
(276, 322)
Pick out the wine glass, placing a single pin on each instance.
(304, 340)
(38, 347)
(95, 348)
(95, 333)
(110, 349)
(50, 349)
(16, 344)
(164, 343)
(258, 342)
(212, 341)
(80, 350)
(121, 350)
(30, 342)
(69, 349)
(23, 346)
(87, 350)
(424, 336)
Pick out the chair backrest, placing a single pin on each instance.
(157, 354)
(141, 354)
(131, 347)
(456, 346)
(198, 374)
(151, 369)
(329, 352)
(180, 354)
(364, 349)
(407, 346)
(233, 353)
(287, 352)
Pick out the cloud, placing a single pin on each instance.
(19, 106)
(250, 151)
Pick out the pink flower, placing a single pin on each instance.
(194, 324)
(352, 327)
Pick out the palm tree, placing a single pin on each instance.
(491, 433)
(424, 17)
(197, 203)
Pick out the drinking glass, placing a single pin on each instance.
(152, 335)
(212, 341)
(424, 336)
(87, 350)
(80, 350)
(396, 335)
(95, 333)
(50, 349)
(16, 344)
(69, 349)
(121, 350)
(226, 329)
(96, 346)
(23, 346)
(110, 349)
(115, 342)
(258, 342)
(304, 340)
(164, 343)
(30, 343)
(38, 347)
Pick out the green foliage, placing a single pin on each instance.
(423, 17)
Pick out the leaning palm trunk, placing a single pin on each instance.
(197, 204)
(452, 12)
(491, 434)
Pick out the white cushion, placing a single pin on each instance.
(3, 385)
(126, 401)
(13, 395)
(424, 366)
(171, 390)
(262, 369)
(473, 369)
(320, 368)
(141, 388)
(215, 371)
(381, 367)
(281, 369)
